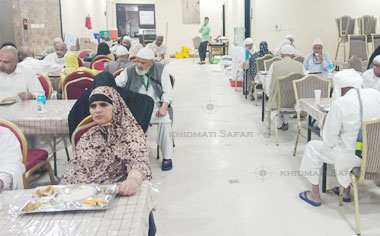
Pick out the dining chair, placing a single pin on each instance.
(46, 85)
(75, 83)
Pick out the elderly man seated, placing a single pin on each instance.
(121, 62)
(51, 49)
(318, 61)
(371, 78)
(281, 68)
(158, 47)
(16, 80)
(26, 55)
(57, 57)
(11, 168)
(152, 79)
(339, 134)
(289, 40)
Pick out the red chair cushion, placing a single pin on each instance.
(82, 55)
(100, 65)
(80, 133)
(35, 156)
(44, 85)
(75, 90)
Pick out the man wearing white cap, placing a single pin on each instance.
(152, 79)
(289, 40)
(126, 41)
(318, 61)
(250, 45)
(281, 68)
(339, 134)
(122, 61)
(371, 78)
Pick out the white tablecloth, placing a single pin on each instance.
(308, 105)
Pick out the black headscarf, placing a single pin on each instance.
(103, 49)
(140, 105)
(252, 60)
(374, 54)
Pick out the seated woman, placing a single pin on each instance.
(103, 49)
(72, 64)
(11, 168)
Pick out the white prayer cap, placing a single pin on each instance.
(289, 36)
(346, 78)
(126, 38)
(146, 53)
(248, 41)
(287, 49)
(121, 51)
(377, 58)
(318, 41)
(136, 47)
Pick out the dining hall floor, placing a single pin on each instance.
(230, 178)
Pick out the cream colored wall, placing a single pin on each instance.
(234, 17)
(306, 19)
(74, 13)
(170, 11)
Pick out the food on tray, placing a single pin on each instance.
(44, 192)
(95, 202)
(32, 206)
(76, 194)
(8, 100)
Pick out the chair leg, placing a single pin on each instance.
(50, 171)
(158, 152)
(67, 154)
(276, 130)
(341, 190)
(297, 138)
(269, 123)
(356, 202)
(344, 50)
(337, 51)
(26, 182)
(255, 92)
(55, 157)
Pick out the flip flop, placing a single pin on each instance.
(303, 196)
(336, 191)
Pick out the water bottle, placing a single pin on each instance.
(247, 54)
(330, 68)
(41, 103)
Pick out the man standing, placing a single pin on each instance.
(371, 78)
(318, 61)
(205, 31)
(152, 79)
(16, 80)
(339, 134)
(57, 57)
(281, 68)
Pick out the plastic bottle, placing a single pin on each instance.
(247, 54)
(41, 103)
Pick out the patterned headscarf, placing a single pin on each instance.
(252, 60)
(109, 160)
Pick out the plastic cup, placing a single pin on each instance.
(317, 95)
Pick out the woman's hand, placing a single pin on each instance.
(131, 185)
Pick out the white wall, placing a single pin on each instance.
(234, 17)
(74, 13)
(306, 19)
(170, 11)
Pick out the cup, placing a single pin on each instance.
(317, 96)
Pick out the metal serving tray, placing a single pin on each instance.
(81, 197)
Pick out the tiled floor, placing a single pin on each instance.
(229, 177)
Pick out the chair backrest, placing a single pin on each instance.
(82, 54)
(285, 96)
(357, 45)
(100, 64)
(373, 25)
(371, 149)
(375, 41)
(172, 80)
(46, 85)
(365, 24)
(260, 62)
(343, 23)
(299, 59)
(268, 63)
(19, 135)
(117, 72)
(75, 83)
(86, 124)
(99, 57)
(80, 62)
(355, 63)
(196, 42)
(304, 87)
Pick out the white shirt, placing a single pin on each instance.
(53, 58)
(11, 168)
(342, 125)
(370, 80)
(21, 80)
(167, 95)
(41, 66)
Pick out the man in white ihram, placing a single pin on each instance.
(339, 135)
(152, 79)
(371, 78)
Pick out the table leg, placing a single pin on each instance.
(309, 128)
(245, 92)
(263, 108)
(55, 156)
(324, 177)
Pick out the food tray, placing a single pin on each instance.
(71, 198)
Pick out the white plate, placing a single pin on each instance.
(8, 101)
